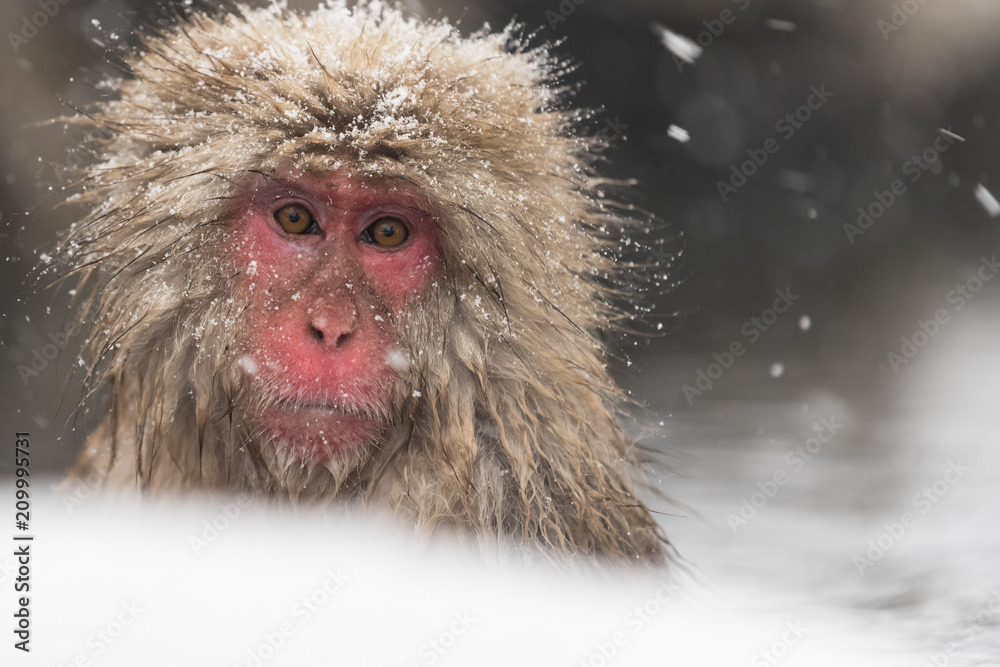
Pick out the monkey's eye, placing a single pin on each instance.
(295, 219)
(386, 232)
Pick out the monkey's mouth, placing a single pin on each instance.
(292, 405)
(317, 431)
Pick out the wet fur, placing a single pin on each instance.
(505, 425)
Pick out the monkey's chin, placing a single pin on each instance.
(317, 435)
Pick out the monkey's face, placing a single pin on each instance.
(327, 266)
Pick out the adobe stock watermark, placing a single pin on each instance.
(105, 637)
(74, 493)
(752, 330)
(786, 127)
(825, 430)
(900, 15)
(922, 502)
(986, 618)
(914, 168)
(432, 650)
(212, 529)
(564, 11)
(41, 357)
(301, 612)
(958, 297)
(634, 622)
(31, 24)
(776, 652)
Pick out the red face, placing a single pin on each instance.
(327, 264)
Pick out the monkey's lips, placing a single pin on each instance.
(315, 431)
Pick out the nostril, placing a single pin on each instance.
(323, 332)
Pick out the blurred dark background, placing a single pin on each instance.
(899, 73)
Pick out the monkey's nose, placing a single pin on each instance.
(332, 332)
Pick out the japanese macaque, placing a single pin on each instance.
(351, 257)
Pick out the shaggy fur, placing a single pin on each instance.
(505, 425)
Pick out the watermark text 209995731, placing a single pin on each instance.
(22, 541)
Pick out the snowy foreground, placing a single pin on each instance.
(879, 548)
(112, 588)
(872, 511)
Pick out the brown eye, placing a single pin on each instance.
(294, 219)
(387, 232)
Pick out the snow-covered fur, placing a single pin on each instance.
(505, 426)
